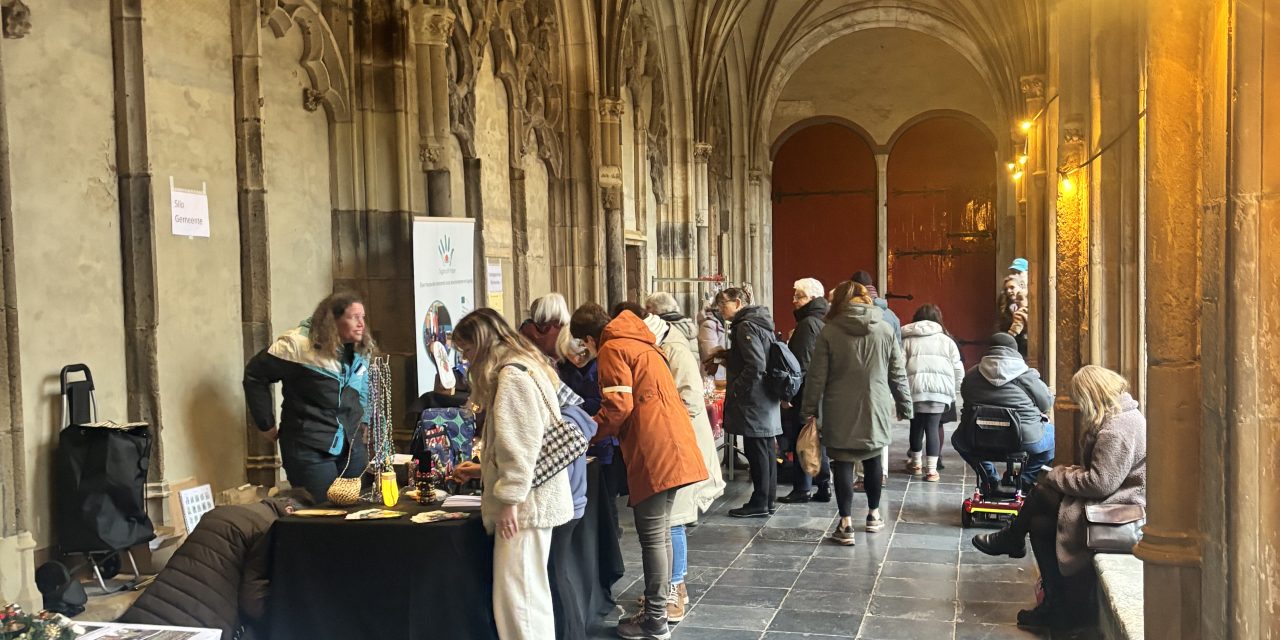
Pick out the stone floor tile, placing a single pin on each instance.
(712, 558)
(877, 628)
(682, 632)
(785, 563)
(909, 588)
(942, 610)
(1015, 592)
(815, 579)
(758, 577)
(781, 521)
(844, 625)
(967, 631)
(919, 571)
(927, 556)
(998, 573)
(775, 547)
(916, 541)
(768, 597)
(988, 612)
(714, 616)
(792, 534)
(852, 601)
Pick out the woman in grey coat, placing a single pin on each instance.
(749, 410)
(1113, 454)
(856, 380)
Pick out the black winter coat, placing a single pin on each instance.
(218, 578)
(748, 409)
(809, 322)
(321, 392)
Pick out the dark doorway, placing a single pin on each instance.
(942, 235)
(635, 271)
(824, 211)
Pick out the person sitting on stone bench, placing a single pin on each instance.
(1113, 470)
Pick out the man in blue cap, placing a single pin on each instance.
(1013, 304)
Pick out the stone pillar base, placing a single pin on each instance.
(18, 571)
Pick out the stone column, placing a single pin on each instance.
(519, 237)
(1031, 239)
(702, 204)
(431, 26)
(137, 226)
(755, 253)
(1116, 243)
(261, 458)
(882, 223)
(611, 199)
(1171, 544)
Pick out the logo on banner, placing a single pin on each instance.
(445, 250)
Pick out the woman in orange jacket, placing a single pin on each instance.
(641, 406)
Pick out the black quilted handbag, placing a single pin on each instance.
(562, 443)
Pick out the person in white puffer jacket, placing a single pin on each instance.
(934, 372)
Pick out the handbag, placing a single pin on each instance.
(562, 443)
(1114, 528)
(345, 492)
(809, 449)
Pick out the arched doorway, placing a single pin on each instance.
(824, 211)
(941, 227)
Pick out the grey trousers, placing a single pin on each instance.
(653, 525)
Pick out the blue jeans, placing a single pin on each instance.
(1038, 455)
(679, 554)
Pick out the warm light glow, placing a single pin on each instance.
(1025, 125)
(1017, 175)
(1067, 185)
(1011, 166)
(1022, 159)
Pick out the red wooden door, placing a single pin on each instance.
(824, 212)
(941, 228)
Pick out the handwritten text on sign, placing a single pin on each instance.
(190, 212)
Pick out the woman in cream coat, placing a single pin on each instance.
(512, 381)
(679, 347)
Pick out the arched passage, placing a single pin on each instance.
(941, 226)
(824, 211)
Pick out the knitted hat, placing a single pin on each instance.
(1002, 339)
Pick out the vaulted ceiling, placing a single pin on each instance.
(1002, 39)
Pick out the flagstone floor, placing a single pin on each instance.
(780, 578)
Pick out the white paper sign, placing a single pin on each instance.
(195, 503)
(189, 210)
(444, 289)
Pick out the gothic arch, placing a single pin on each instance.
(943, 113)
(845, 21)
(817, 120)
(321, 56)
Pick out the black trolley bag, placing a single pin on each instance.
(100, 481)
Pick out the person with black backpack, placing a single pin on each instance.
(751, 409)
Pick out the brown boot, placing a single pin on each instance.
(675, 611)
(684, 594)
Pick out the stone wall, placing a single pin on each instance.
(66, 225)
(191, 129)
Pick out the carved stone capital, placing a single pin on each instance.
(700, 217)
(1032, 86)
(610, 176)
(753, 177)
(610, 110)
(431, 156)
(431, 25)
(17, 18)
(311, 99)
(611, 196)
(701, 151)
(1071, 151)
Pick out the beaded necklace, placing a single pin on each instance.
(381, 444)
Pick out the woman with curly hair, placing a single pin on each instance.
(323, 366)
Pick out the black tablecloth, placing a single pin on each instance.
(333, 578)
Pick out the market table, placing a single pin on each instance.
(336, 578)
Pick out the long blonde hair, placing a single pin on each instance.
(324, 325)
(1097, 391)
(496, 345)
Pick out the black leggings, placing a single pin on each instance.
(872, 480)
(924, 426)
(1038, 519)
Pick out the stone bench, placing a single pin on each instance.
(1119, 596)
